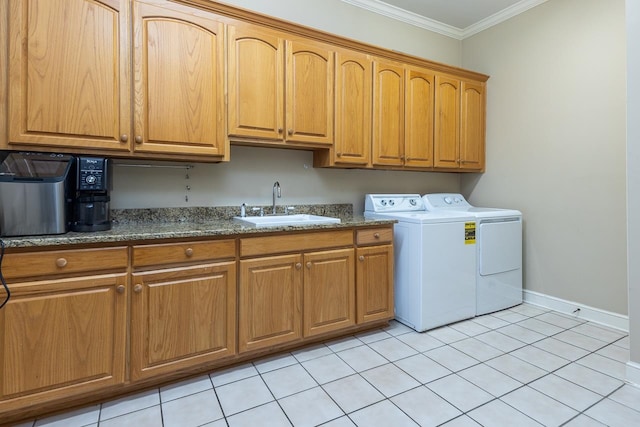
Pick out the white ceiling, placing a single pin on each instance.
(453, 18)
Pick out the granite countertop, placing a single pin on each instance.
(155, 224)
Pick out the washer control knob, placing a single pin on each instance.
(413, 202)
(448, 200)
(383, 202)
(392, 202)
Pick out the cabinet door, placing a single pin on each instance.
(419, 99)
(309, 101)
(179, 85)
(447, 123)
(374, 283)
(329, 291)
(255, 76)
(388, 114)
(182, 317)
(270, 306)
(472, 120)
(69, 78)
(62, 338)
(353, 109)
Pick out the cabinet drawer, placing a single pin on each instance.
(171, 253)
(255, 246)
(374, 236)
(44, 263)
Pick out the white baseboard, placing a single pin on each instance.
(633, 373)
(603, 317)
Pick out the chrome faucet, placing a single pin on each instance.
(277, 192)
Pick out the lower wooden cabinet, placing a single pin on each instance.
(270, 308)
(329, 291)
(374, 272)
(85, 323)
(61, 338)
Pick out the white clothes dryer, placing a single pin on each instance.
(499, 250)
(434, 266)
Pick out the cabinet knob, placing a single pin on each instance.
(408, 159)
(309, 264)
(376, 235)
(61, 262)
(124, 137)
(188, 252)
(298, 266)
(279, 130)
(361, 258)
(120, 289)
(339, 154)
(137, 288)
(290, 131)
(138, 139)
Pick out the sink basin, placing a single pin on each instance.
(284, 220)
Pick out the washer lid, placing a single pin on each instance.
(452, 202)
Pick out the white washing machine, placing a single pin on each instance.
(499, 247)
(434, 261)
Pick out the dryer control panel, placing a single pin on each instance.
(393, 203)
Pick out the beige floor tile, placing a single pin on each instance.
(268, 415)
(499, 414)
(459, 392)
(148, 417)
(490, 380)
(561, 349)
(327, 368)
(310, 408)
(362, 358)
(476, 349)
(390, 380)
(517, 369)
(423, 369)
(590, 379)
(451, 358)
(235, 373)
(392, 349)
(614, 414)
(130, 403)
(425, 407)
(287, 381)
(421, 341)
(242, 395)
(352, 393)
(564, 391)
(383, 414)
(192, 410)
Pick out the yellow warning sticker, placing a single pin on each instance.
(469, 233)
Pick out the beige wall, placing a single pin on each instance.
(556, 144)
(633, 183)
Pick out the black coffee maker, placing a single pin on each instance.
(91, 202)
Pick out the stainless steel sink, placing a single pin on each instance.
(284, 220)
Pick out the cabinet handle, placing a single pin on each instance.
(188, 252)
(61, 262)
(376, 235)
(290, 131)
(138, 139)
(279, 130)
(120, 289)
(309, 264)
(124, 137)
(298, 266)
(137, 288)
(361, 258)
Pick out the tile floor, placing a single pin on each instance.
(519, 367)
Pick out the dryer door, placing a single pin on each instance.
(500, 246)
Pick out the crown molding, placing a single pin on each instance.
(403, 15)
(501, 16)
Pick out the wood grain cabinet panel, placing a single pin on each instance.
(473, 122)
(374, 285)
(352, 128)
(69, 78)
(255, 76)
(388, 113)
(270, 302)
(447, 125)
(419, 103)
(279, 90)
(178, 81)
(182, 317)
(329, 291)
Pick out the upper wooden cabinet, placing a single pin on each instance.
(472, 122)
(69, 78)
(460, 124)
(352, 131)
(388, 113)
(71, 86)
(402, 116)
(178, 81)
(262, 68)
(419, 99)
